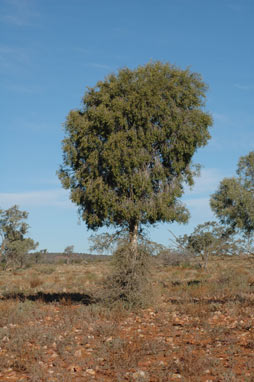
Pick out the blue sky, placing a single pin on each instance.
(51, 50)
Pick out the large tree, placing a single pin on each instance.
(233, 202)
(128, 152)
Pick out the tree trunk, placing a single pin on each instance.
(133, 237)
(2, 248)
(204, 258)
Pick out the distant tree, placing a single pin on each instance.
(128, 153)
(233, 202)
(13, 229)
(69, 251)
(211, 238)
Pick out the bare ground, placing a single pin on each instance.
(199, 326)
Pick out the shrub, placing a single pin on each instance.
(129, 281)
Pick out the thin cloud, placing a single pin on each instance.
(221, 118)
(36, 126)
(200, 210)
(19, 13)
(81, 50)
(207, 182)
(44, 198)
(237, 6)
(12, 58)
(22, 89)
(48, 181)
(32, 125)
(198, 202)
(13, 53)
(244, 87)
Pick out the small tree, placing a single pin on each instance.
(14, 245)
(128, 152)
(69, 251)
(211, 238)
(233, 203)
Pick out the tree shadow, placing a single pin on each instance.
(188, 283)
(244, 300)
(63, 298)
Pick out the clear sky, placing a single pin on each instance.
(51, 50)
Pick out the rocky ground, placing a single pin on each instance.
(200, 326)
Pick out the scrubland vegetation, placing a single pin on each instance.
(197, 324)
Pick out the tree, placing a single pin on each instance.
(14, 245)
(211, 238)
(128, 152)
(233, 202)
(69, 251)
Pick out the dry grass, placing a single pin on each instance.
(201, 328)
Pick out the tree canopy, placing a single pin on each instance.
(233, 202)
(13, 229)
(128, 152)
(211, 238)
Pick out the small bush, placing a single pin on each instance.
(35, 282)
(175, 258)
(129, 281)
(47, 269)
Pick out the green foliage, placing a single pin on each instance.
(233, 202)
(14, 245)
(128, 152)
(211, 238)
